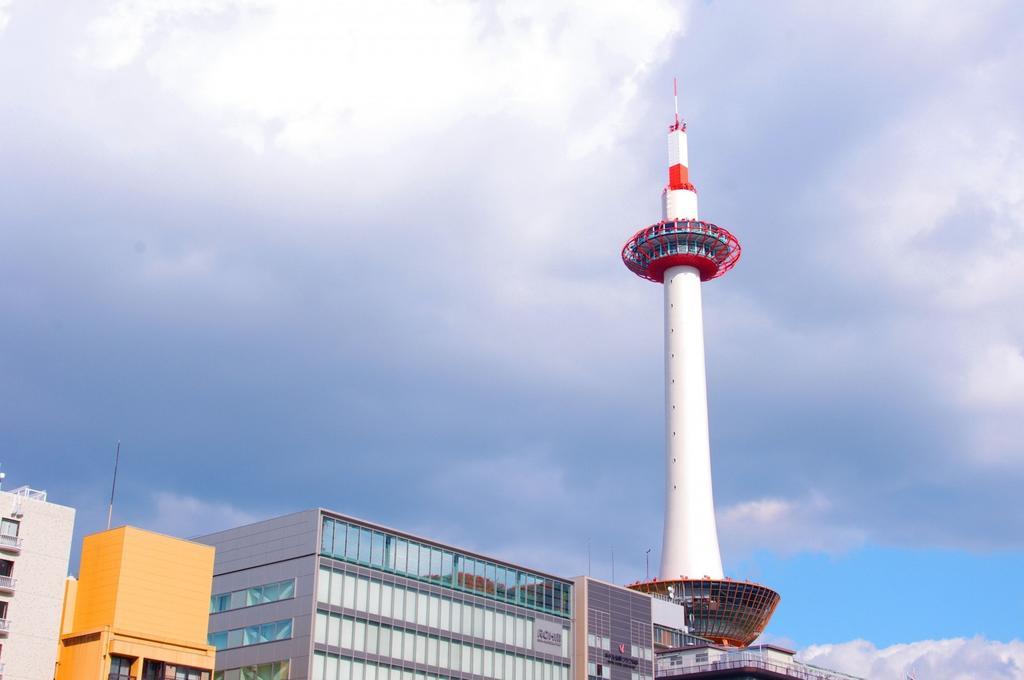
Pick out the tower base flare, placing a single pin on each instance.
(728, 612)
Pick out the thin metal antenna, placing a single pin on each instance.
(647, 558)
(113, 485)
(675, 97)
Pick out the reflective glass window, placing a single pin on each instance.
(446, 568)
(435, 564)
(327, 539)
(352, 545)
(412, 567)
(377, 550)
(389, 552)
(491, 578)
(401, 555)
(286, 589)
(340, 532)
(365, 545)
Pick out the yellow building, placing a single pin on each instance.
(139, 609)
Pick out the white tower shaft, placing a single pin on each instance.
(690, 542)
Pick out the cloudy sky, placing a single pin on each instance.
(365, 255)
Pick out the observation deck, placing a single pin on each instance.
(671, 243)
(728, 612)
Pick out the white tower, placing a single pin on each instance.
(690, 541)
(681, 252)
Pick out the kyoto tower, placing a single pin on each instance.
(682, 252)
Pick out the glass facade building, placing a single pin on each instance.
(320, 595)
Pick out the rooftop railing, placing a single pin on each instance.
(743, 659)
(28, 492)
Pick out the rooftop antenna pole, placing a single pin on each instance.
(647, 558)
(113, 485)
(675, 98)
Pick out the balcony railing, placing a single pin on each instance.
(5, 626)
(10, 543)
(8, 583)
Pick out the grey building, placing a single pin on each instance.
(318, 595)
(614, 632)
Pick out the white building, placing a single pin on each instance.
(35, 543)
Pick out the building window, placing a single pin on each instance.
(352, 543)
(250, 597)
(276, 670)
(251, 635)
(9, 527)
(120, 667)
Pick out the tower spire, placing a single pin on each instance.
(675, 97)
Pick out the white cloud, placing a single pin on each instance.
(953, 659)
(186, 516)
(995, 378)
(785, 527)
(321, 77)
(5, 13)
